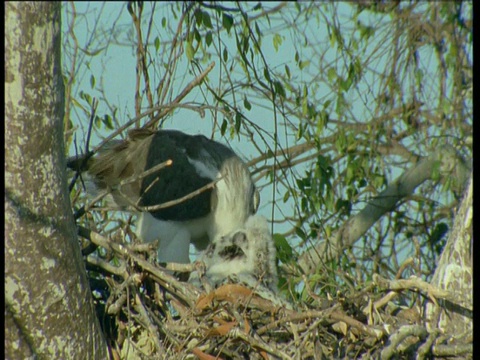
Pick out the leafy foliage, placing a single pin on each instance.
(332, 102)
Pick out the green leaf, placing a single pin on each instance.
(157, 43)
(365, 31)
(227, 22)
(320, 121)
(189, 50)
(206, 20)
(238, 122)
(86, 97)
(352, 71)
(301, 131)
(354, 43)
(92, 81)
(225, 54)
(418, 73)
(329, 200)
(245, 45)
(333, 39)
(303, 64)
(300, 233)
(107, 121)
(438, 233)
(198, 17)
(343, 206)
(287, 71)
(331, 75)
(247, 104)
(208, 38)
(164, 22)
(341, 143)
(304, 106)
(284, 250)
(340, 105)
(197, 35)
(346, 84)
(266, 74)
(277, 41)
(279, 88)
(436, 172)
(223, 128)
(257, 30)
(326, 104)
(378, 181)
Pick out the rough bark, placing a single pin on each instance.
(49, 312)
(454, 273)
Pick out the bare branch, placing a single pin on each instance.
(386, 201)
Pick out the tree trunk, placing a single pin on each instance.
(454, 273)
(49, 313)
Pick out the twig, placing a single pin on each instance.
(164, 82)
(145, 319)
(402, 267)
(182, 291)
(383, 301)
(415, 284)
(424, 350)
(376, 333)
(184, 93)
(109, 268)
(145, 173)
(141, 63)
(452, 350)
(396, 339)
(237, 333)
(293, 316)
(87, 144)
(180, 200)
(117, 305)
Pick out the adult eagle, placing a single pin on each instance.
(128, 169)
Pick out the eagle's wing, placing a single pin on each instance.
(124, 168)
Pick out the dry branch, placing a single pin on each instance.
(350, 232)
(233, 321)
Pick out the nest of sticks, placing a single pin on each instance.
(147, 312)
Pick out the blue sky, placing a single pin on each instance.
(114, 71)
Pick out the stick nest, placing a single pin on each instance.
(148, 313)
